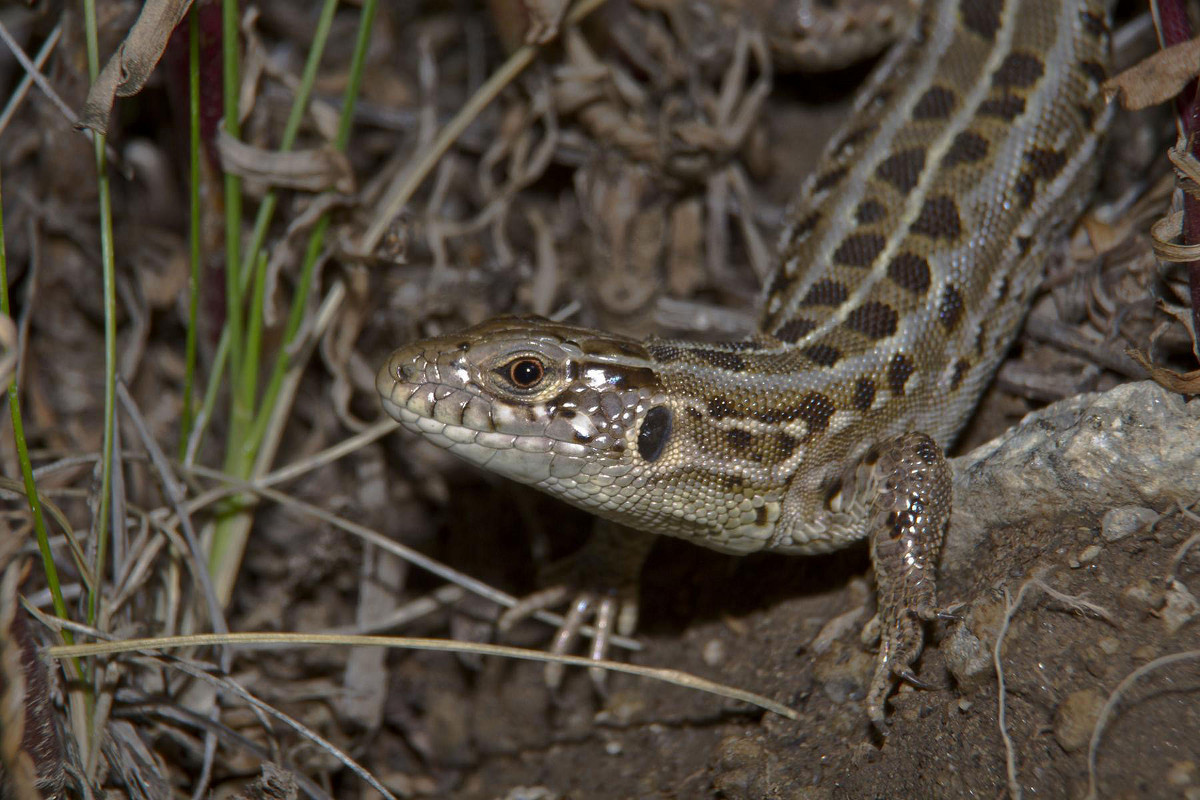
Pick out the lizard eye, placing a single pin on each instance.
(525, 372)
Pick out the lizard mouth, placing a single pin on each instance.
(507, 440)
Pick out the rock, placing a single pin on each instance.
(968, 659)
(1075, 718)
(1090, 452)
(1179, 607)
(1121, 521)
(744, 769)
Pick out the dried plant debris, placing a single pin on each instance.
(633, 175)
(32, 764)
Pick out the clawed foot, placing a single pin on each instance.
(909, 517)
(901, 639)
(610, 611)
(600, 583)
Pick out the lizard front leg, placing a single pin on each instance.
(599, 581)
(908, 521)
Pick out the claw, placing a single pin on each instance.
(566, 636)
(606, 612)
(950, 614)
(600, 584)
(526, 606)
(909, 677)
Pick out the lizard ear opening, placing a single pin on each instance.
(654, 433)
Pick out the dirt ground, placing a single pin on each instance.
(632, 178)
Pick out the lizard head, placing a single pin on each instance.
(533, 400)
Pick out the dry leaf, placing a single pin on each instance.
(128, 69)
(1156, 79)
(308, 170)
(1179, 382)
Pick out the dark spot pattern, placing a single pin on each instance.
(951, 309)
(859, 250)
(664, 353)
(1042, 164)
(981, 338)
(739, 439)
(967, 148)
(720, 408)
(731, 362)
(864, 394)
(795, 329)
(1025, 187)
(785, 445)
(873, 319)
(760, 516)
(1087, 114)
(936, 103)
(903, 170)
(910, 271)
(960, 371)
(823, 354)
(816, 409)
(982, 16)
(1019, 71)
(1024, 244)
(1094, 70)
(806, 225)
(898, 373)
(869, 211)
(733, 482)
(774, 416)
(830, 179)
(901, 523)
(929, 453)
(938, 218)
(825, 293)
(1093, 24)
(779, 282)
(1045, 163)
(654, 433)
(1007, 107)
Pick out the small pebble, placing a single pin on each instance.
(1121, 521)
(1146, 652)
(1090, 553)
(1179, 607)
(713, 652)
(1075, 718)
(1181, 773)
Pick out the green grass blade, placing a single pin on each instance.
(195, 255)
(110, 325)
(35, 504)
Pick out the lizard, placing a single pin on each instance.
(908, 261)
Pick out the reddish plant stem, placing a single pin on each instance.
(1174, 28)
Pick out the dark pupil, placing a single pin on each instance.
(526, 372)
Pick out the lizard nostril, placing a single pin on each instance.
(406, 372)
